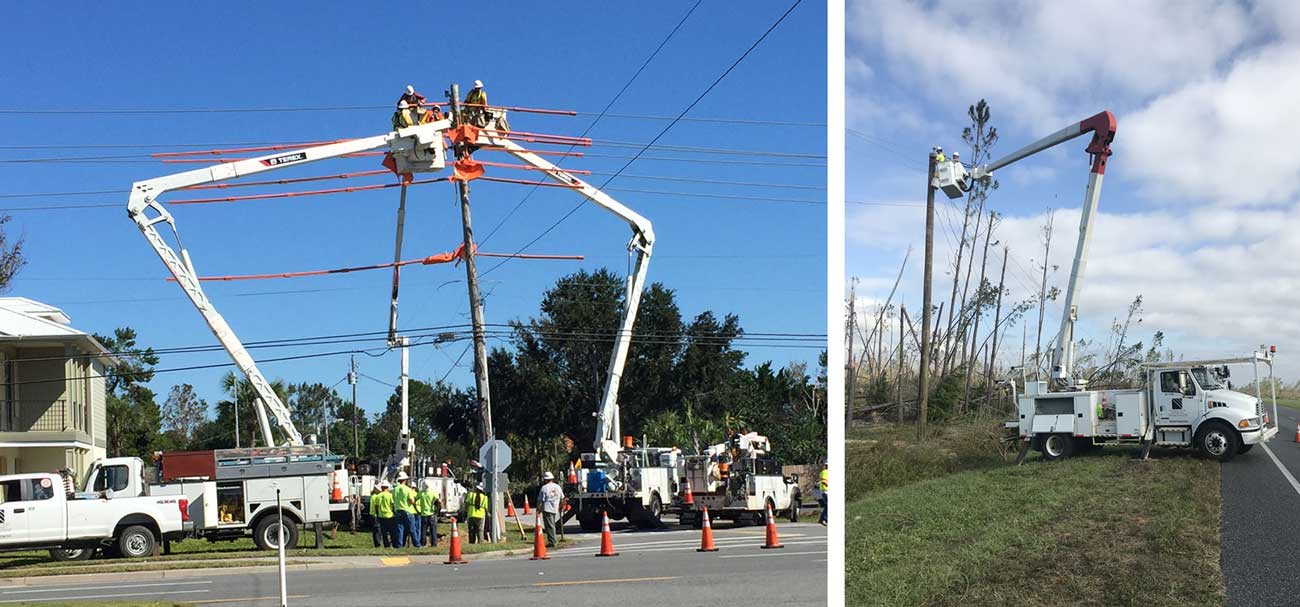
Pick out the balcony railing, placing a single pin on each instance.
(42, 416)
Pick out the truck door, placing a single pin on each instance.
(13, 511)
(45, 514)
(1175, 396)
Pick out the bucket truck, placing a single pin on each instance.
(739, 480)
(1183, 403)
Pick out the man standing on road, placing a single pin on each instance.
(426, 507)
(404, 504)
(548, 501)
(381, 507)
(476, 504)
(823, 483)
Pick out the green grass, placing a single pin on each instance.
(1101, 529)
(121, 566)
(203, 551)
(885, 456)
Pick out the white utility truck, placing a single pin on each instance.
(637, 486)
(232, 493)
(41, 511)
(739, 481)
(1180, 403)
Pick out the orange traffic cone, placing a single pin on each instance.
(527, 510)
(510, 508)
(453, 554)
(336, 495)
(606, 539)
(539, 542)
(706, 534)
(573, 475)
(772, 541)
(689, 498)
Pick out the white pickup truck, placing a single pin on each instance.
(39, 511)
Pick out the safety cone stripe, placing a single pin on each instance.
(772, 540)
(539, 543)
(706, 534)
(453, 552)
(606, 539)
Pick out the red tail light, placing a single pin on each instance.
(185, 509)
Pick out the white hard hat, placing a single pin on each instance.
(939, 147)
(384, 485)
(410, 89)
(548, 476)
(401, 476)
(478, 84)
(401, 105)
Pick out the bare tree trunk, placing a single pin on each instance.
(1042, 293)
(975, 331)
(997, 320)
(970, 266)
(952, 301)
(898, 382)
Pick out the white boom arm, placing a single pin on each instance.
(1102, 126)
(641, 245)
(423, 142)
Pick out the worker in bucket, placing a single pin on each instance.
(404, 512)
(476, 505)
(476, 102)
(548, 501)
(938, 155)
(411, 97)
(823, 485)
(956, 158)
(402, 118)
(426, 508)
(381, 509)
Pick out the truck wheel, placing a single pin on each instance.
(589, 521)
(136, 542)
(651, 517)
(1244, 448)
(1218, 441)
(72, 554)
(267, 533)
(794, 508)
(1057, 446)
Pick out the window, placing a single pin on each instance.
(1169, 382)
(11, 491)
(112, 477)
(42, 488)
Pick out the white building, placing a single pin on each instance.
(52, 390)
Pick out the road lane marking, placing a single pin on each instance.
(253, 598)
(618, 581)
(113, 587)
(395, 561)
(1285, 472)
(102, 596)
(750, 556)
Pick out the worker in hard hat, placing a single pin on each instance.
(377, 532)
(426, 508)
(476, 105)
(404, 116)
(476, 505)
(938, 155)
(381, 506)
(404, 512)
(956, 158)
(548, 502)
(411, 97)
(823, 485)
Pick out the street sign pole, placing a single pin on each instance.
(495, 455)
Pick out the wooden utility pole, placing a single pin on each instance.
(849, 366)
(485, 433)
(923, 378)
(356, 417)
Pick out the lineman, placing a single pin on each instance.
(823, 484)
(411, 97)
(426, 507)
(476, 99)
(377, 532)
(476, 504)
(381, 505)
(404, 504)
(548, 501)
(938, 155)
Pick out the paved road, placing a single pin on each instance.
(1261, 521)
(663, 565)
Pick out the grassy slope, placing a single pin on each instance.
(886, 456)
(1094, 530)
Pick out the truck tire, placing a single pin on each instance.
(136, 541)
(794, 508)
(1056, 446)
(650, 517)
(266, 535)
(1219, 441)
(72, 554)
(589, 520)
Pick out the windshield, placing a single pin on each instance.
(1206, 379)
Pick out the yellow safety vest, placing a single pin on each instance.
(940, 158)
(476, 505)
(824, 482)
(382, 504)
(402, 497)
(424, 502)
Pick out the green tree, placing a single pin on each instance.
(183, 413)
(220, 432)
(134, 419)
(312, 405)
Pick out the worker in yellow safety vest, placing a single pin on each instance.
(823, 484)
(938, 155)
(377, 532)
(426, 508)
(476, 102)
(476, 504)
(381, 507)
(404, 507)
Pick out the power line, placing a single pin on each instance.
(658, 136)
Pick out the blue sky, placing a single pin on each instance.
(762, 260)
(1198, 209)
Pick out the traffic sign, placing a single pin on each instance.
(502, 456)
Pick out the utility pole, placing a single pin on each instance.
(237, 390)
(923, 377)
(471, 276)
(849, 365)
(356, 434)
